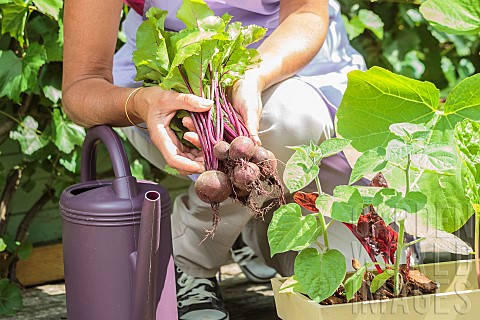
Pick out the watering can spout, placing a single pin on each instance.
(145, 260)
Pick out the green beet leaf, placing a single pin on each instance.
(290, 230)
(354, 283)
(192, 12)
(152, 61)
(380, 279)
(320, 274)
(252, 33)
(188, 43)
(348, 204)
(196, 65)
(454, 16)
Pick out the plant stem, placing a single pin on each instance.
(11, 118)
(319, 187)
(14, 178)
(321, 217)
(401, 231)
(407, 175)
(398, 255)
(328, 224)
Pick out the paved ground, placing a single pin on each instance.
(244, 299)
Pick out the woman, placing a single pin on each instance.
(290, 99)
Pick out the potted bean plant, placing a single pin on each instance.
(422, 156)
(424, 166)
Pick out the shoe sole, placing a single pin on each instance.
(250, 276)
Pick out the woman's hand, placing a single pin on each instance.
(247, 101)
(157, 108)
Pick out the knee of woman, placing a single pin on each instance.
(295, 113)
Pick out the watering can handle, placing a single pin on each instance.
(125, 185)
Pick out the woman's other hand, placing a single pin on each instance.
(247, 101)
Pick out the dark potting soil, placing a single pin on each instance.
(415, 284)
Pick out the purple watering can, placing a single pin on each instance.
(117, 241)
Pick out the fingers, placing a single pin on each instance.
(192, 137)
(193, 103)
(188, 123)
(167, 143)
(252, 122)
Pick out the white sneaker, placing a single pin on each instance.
(253, 268)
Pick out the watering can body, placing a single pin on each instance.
(117, 241)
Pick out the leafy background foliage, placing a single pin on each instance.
(394, 35)
(33, 127)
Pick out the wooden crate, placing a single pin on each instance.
(44, 265)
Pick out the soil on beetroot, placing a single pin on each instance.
(414, 285)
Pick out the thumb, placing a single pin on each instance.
(252, 122)
(193, 103)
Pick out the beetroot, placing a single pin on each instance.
(242, 171)
(241, 148)
(213, 187)
(260, 155)
(245, 175)
(220, 150)
(268, 167)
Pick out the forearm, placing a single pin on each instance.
(90, 35)
(95, 101)
(292, 45)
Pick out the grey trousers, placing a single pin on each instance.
(294, 113)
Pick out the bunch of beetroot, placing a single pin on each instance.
(205, 59)
(244, 172)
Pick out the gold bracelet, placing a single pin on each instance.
(126, 104)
